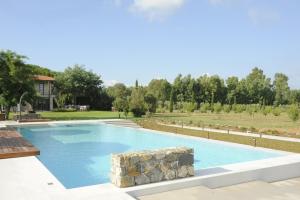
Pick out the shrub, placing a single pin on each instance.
(137, 112)
(276, 111)
(253, 129)
(137, 105)
(238, 108)
(151, 102)
(227, 108)
(217, 107)
(266, 110)
(293, 113)
(189, 107)
(204, 107)
(244, 129)
(148, 114)
(64, 110)
(199, 124)
(250, 110)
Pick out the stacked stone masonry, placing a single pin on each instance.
(138, 168)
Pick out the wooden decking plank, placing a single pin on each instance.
(13, 145)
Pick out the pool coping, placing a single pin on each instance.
(272, 169)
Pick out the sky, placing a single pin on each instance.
(125, 40)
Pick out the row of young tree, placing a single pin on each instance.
(203, 93)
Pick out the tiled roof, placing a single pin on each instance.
(43, 78)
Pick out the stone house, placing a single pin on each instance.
(45, 90)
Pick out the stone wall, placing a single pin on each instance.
(137, 168)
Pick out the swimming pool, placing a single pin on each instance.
(79, 154)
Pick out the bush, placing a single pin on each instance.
(138, 112)
(204, 107)
(217, 107)
(64, 110)
(137, 104)
(161, 110)
(250, 110)
(227, 108)
(148, 114)
(238, 108)
(266, 110)
(189, 107)
(293, 113)
(276, 111)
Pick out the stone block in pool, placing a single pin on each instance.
(138, 168)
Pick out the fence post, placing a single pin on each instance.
(254, 139)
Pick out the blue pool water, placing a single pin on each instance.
(79, 155)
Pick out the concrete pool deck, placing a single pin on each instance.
(28, 179)
(256, 190)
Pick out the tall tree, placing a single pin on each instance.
(119, 90)
(137, 102)
(16, 78)
(196, 92)
(172, 99)
(77, 82)
(259, 87)
(151, 102)
(281, 89)
(232, 89)
(161, 90)
(294, 97)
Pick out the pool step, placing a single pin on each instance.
(123, 123)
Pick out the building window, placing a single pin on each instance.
(41, 88)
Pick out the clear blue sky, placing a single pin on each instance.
(124, 40)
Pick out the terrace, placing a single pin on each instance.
(35, 181)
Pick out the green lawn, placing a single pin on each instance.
(260, 142)
(237, 121)
(81, 115)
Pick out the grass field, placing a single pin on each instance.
(81, 115)
(269, 124)
(260, 142)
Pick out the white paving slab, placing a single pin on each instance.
(27, 179)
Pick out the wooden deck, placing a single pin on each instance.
(13, 145)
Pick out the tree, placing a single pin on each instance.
(294, 97)
(212, 89)
(258, 87)
(161, 90)
(60, 100)
(232, 89)
(281, 89)
(196, 93)
(119, 90)
(217, 108)
(137, 103)
(16, 77)
(217, 89)
(121, 105)
(293, 112)
(38, 70)
(172, 97)
(151, 102)
(84, 87)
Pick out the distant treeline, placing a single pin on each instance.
(255, 88)
(78, 86)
